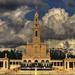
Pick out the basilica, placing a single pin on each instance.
(36, 50)
(36, 54)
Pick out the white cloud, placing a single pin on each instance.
(55, 18)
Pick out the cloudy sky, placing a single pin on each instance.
(57, 20)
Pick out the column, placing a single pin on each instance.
(4, 64)
(59, 63)
(73, 65)
(56, 63)
(67, 65)
(52, 63)
(66, 55)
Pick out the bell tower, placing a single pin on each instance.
(36, 50)
(36, 29)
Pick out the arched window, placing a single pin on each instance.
(42, 61)
(36, 61)
(13, 62)
(29, 60)
(36, 19)
(17, 63)
(25, 60)
(36, 25)
(36, 33)
(47, 61)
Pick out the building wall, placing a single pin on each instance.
(36, 51)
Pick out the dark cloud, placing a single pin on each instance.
(46, 33)
(9, 4)
(13, 4)
(10, 27)
(69, 27)
(15, 30)
(11, 42)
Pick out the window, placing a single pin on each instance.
(47, 61)
(58, 63)
(61, 63)
(17, 63)
(36, 19)
(42, 61)
(36, 33)
(13, 62)
(36, 61)
(54, 63)
(29, 61)
(10, 62)
(1, 64)
(25, 60)
(36, 25)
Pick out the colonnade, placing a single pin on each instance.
(69, 65)
(57, 63)
(4, 63)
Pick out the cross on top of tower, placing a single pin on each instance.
(36, 17)
(36, 14)
(36, 11)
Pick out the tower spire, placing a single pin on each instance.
(36, 32)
